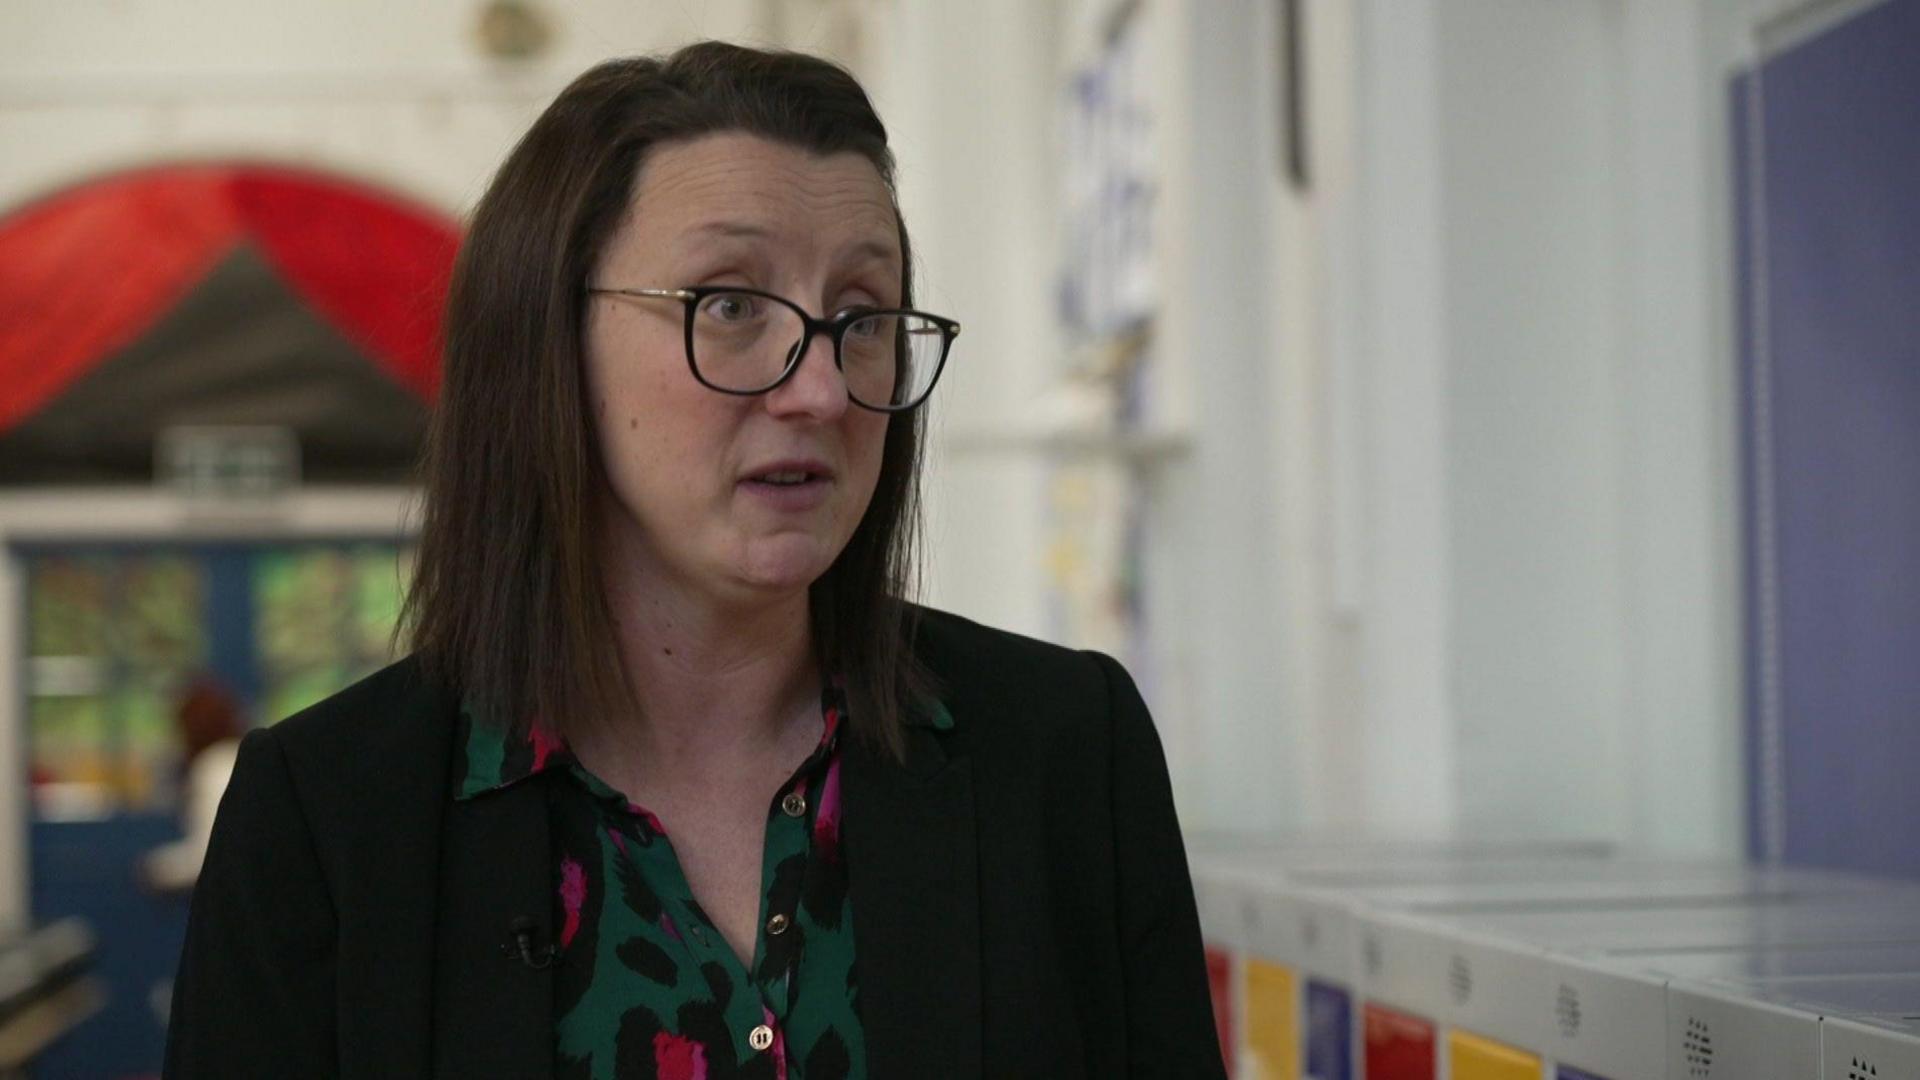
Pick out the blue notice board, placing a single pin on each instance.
(1827, 191)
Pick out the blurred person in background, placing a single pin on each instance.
(677, 782)
(210, 722)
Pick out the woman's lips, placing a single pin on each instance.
(789, 485)
(791, 497)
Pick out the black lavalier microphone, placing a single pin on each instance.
(523, 948)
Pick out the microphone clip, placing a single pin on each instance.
(522, 948)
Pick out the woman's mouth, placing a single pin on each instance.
(785, 479)
(788, 488)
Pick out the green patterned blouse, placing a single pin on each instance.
(644, 984)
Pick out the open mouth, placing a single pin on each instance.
(789, 478)
(790, 485)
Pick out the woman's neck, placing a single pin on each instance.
(713, 688)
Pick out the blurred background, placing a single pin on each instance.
(1466, 418)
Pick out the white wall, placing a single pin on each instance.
(1404, 719)
(1547, 633)
(1684, 784)
(1529, 175)
(1220, 512)
(1433, 577)
(967, 93)
(397, 94)
(1472, 392)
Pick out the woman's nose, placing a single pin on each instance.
(815, 388)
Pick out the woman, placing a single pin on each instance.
(674, 785)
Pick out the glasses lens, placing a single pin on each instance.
(891, 358)
(742, 341)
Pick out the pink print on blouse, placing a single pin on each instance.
(779, 1047)
(646, 815)
(545, 744)
(676, 1057)
(826, 820)
(573, 897)
(667, 925)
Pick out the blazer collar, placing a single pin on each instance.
(389, 905)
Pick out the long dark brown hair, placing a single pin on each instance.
(507, 603)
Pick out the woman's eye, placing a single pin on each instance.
(871, 326)
(731, 307)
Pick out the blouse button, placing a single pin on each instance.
(794, 804)
(777, 924)
(760, 1038)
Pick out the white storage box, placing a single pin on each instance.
(1889, 916)
(1717, 1034)
(1880, 1049)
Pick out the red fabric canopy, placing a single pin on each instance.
(86, 272)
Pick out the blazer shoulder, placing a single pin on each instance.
(990, 676)
(386, 736)
(946, 640)
(374, 706)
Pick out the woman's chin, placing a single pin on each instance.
(784, 565)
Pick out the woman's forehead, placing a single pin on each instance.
(736, 189)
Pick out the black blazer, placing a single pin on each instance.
(1020, 894)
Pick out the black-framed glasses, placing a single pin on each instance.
(744, 341)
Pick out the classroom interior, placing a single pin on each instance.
(1487, 430)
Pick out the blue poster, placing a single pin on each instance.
(1827, 183)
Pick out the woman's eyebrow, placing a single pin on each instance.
(875, 250)
(728, 230)
(869, 250)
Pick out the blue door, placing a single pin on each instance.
(116, 636)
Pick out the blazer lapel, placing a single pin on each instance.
(914, 879)
(493, 1013)
(387, 907)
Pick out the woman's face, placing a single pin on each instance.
(691, 505)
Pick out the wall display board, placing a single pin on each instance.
(1108, 298)
(1826, 131)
